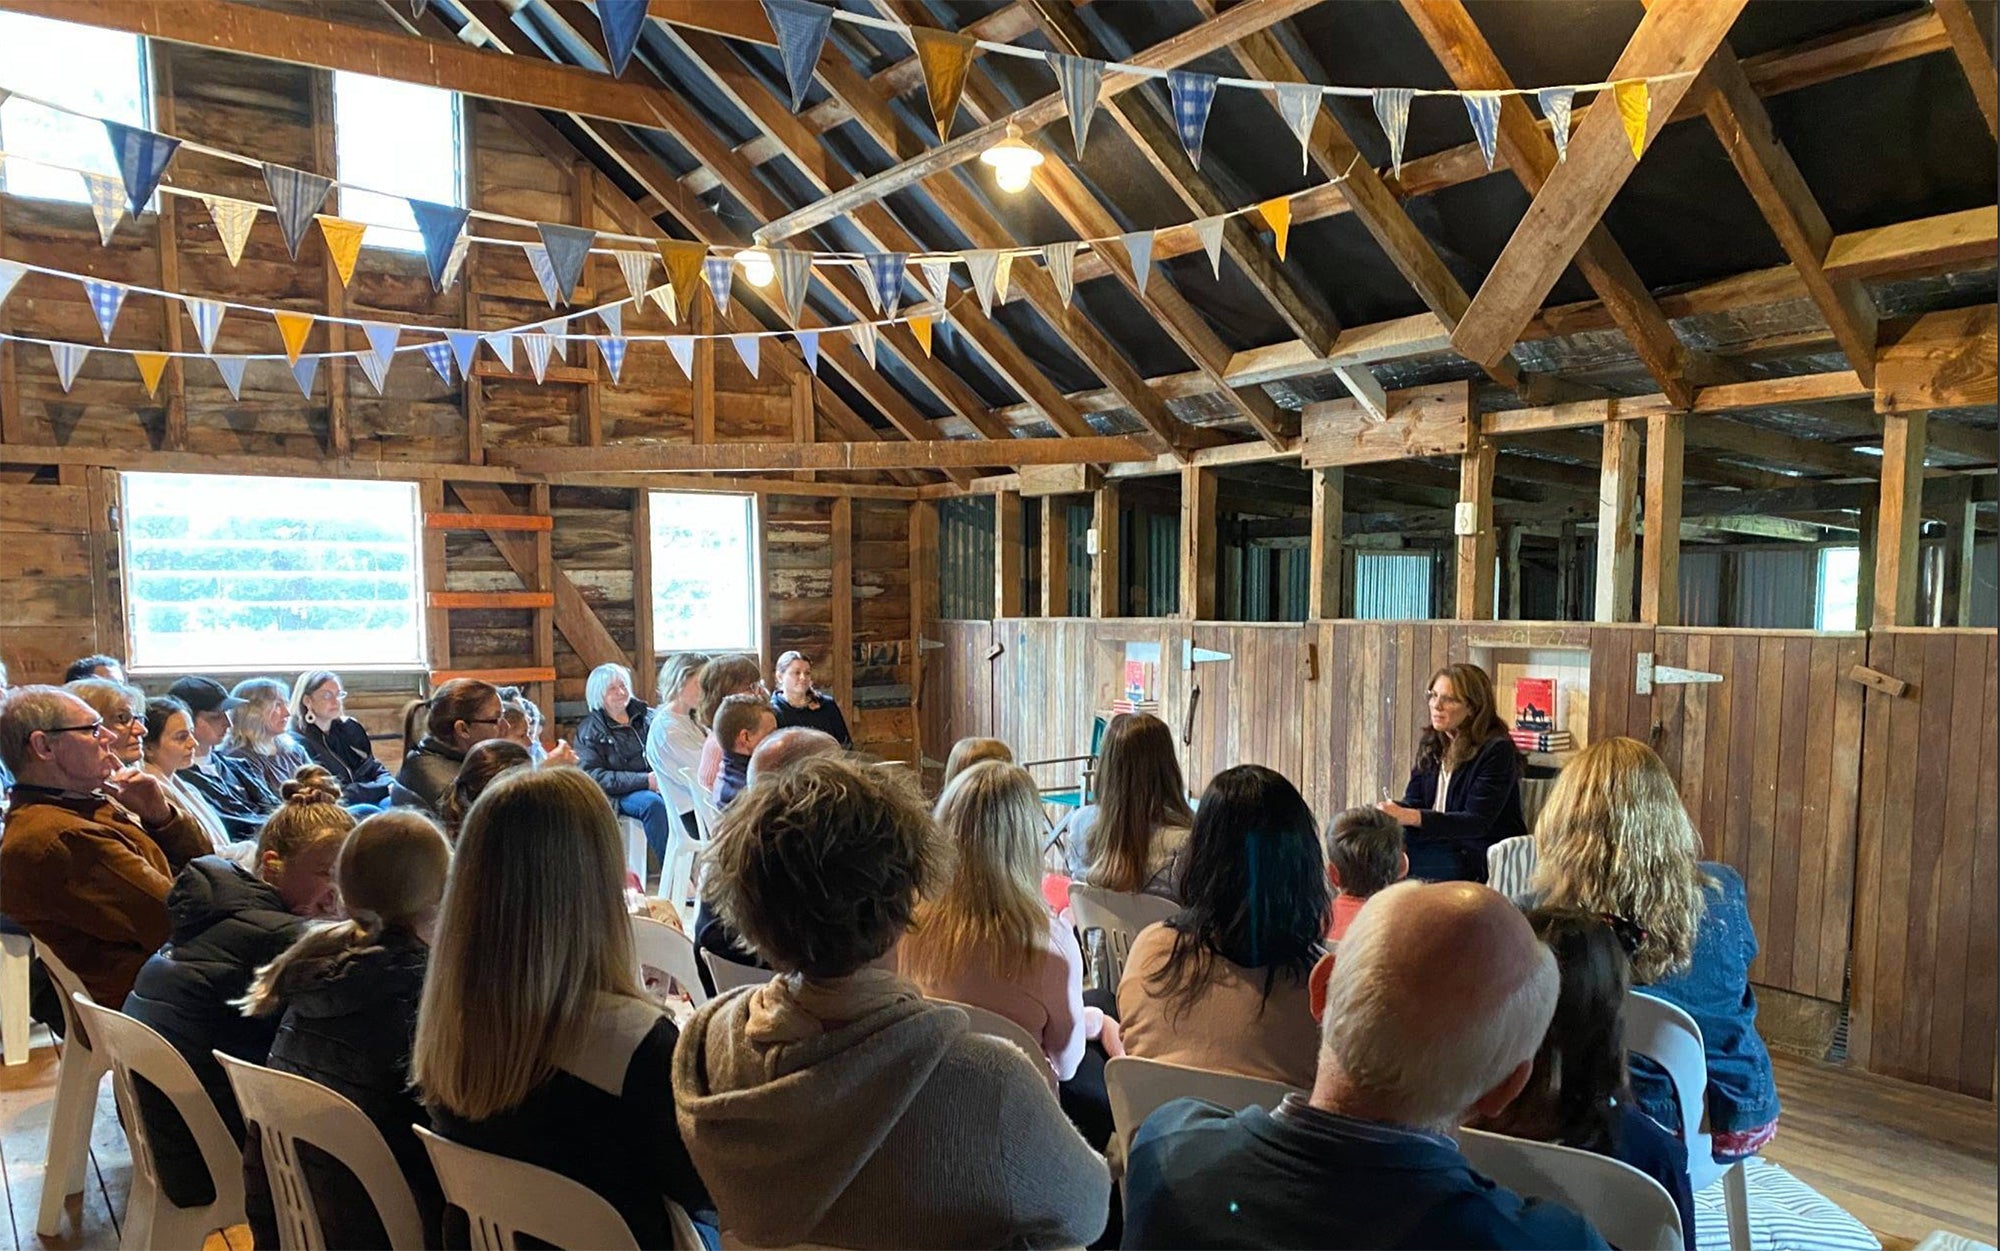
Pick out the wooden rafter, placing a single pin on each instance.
(1974, 57)
(778, 457)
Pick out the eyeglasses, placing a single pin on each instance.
(94, 729)
(1442, 701)
(335, 693)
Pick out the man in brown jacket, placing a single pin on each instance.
(89, 848)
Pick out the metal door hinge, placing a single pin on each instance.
(1665, 675)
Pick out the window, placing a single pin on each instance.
(704, 572)
(271, 573)
(1839, 585)
(101, 72)
(401, 139)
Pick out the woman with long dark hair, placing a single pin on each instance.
(1131, 839)
(1464, 794)
(459, 715)
(1223, 985)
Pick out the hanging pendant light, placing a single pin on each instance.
(1013, 161)
(757, 267)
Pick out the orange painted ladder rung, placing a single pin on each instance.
(492, 599)
(498, 677)
(487, 521)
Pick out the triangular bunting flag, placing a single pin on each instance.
(304, 371)
(376, 368)
(1139, 247)
(539, 347)
(558, 329)
(621, 21)
(682, 349)
(107, 203)
(983, 264)
(502, 345)
(921, 328)
(1193, 94)
(667, 298)
(343, 244)
(944, 58)
(297, 196)
(568, 247)
(637, 270)
(10, 274)
(1278, 216)
(613, 317)
(864, 338)
(937, 276)
(382, 340)
(885, 280)
(1061, 260)
(747, 346)
(233, 219)
(1003, 273)
(439, 355)
(417, 8)
(207, 318)
(1209, 231)
(293, 328)
(231, 368)
(1392, 110)
(1556, 103)
(545, 272)
(684, 265)
(717, 269)
(1634, 103)
(142, 156)
(456, 261)
(1298, 104)
(441, 226)
(1483, 107)
(152, 365)
(106, 298)
(612, 349)
(68, 358)
(464, 347)
(794, 276)
(809, 348)
(1080, 79)
(801, 30)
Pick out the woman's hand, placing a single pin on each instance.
(561, 754)
(1403, 816)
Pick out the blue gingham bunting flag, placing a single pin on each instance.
(1139, 246)
(801, 29)
(1080, 79)
(716, 270)
(682, 348)
(637, 270)
(1298, 104)
(10, 274)
(502, 345)
(440, 225)
(1483, 107)
(68, 358)
(464, 347)
(539, 346)
(809, 348)
(613, 317)
(297, 196)
(567, 247)
(1061, 260)
(382, 340)
(1392, 110)
(1193, 94)
(937, 276)
(231, 368)
(984, 266)
(621, 21)
(304, 370)
(747, 346)
(794, 276)
(142, 157)
(106, 298)
(207, 318)
(864, 338)
(1556, 102)
(1209, 231)
(612, 349)
(439, 355)
(885, 280)
(107, 203)
(545, 274)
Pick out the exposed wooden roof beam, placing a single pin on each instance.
(1587, 450)
(735, 457)
(1944, 242)
(1974, 57)
(1728, 398)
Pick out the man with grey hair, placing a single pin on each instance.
(788, 746)
(1433, 1012)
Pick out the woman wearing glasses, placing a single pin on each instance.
(459, 715)
(1465, 792)
(337, 742)
(123, 708)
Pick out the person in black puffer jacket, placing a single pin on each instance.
(337, 741)
(611, 748)
(458, 716)
(227, 924)
(345, 1001)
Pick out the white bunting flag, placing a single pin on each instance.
(1483, 107)
(1392, 110)
(682, 348)
(747, 346)
(1061, 260)
(864, 338)
(937, 276)
(983, 264)
(233, 219)
(1139, 246)
(1209, 231)
(539, 346)
(376, 367)
(1002, 275)
(10, 274)
(1298, 104)
(637, 269)
(1556, 102)
(667, 299)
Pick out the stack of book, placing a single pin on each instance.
(1535, 717)
(1151, 706)
(1139, 678)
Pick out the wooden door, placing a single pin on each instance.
(1250, 707)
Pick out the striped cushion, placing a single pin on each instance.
(1785, 1215)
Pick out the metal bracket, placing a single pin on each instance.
(1651, 674)
(926, 645)
(1192, 656)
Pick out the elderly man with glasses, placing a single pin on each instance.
(90, 846)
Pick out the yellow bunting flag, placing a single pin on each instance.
(343, 244)
(944, 57)
(921, 327)
(683, 261)
(1278, 215)
(1634, 102)
(293, 328)
(151, 366)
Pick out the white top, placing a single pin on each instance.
(1444, 788)
(673, 743)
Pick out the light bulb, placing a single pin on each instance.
(1013, 161)
(757, 268)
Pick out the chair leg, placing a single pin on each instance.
(77, 1078)
(16, 956)
(136, 1227)
(1736, 1203)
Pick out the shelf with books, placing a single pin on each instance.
(1543, 694)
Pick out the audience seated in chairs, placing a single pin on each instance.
(482, 764)
(227, 924)
(169, 748)
(458, 716)
(834, 1104)
(1577, 1095)
(235, 791)
(787, 747)
(1131, 839)
(123, 707)
(673, 737)
(742, 722)
(337, 742)
(109, 668)
(89, 848)
(1223, 985)
(1364, 855)
(720, 678)
(611, 748)
(535, 1039)
(259, 735)
(797, 702)
(344, 1002)
(968, 752)
(1434, 1010)
(1614, 838)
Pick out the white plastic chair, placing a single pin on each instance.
(987, 1021)
(634, 831)
(728, 975)
(1631, 1210)
(151, 1218)
(289, 1110)
(660, 946)
(705, 811)
(1510, 863)
(17, 955)
(504, 1199)
(81, 1067)
(1138, 1087)
(1121, 916)
(1669, 1037)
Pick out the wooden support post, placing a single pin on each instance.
(1474, 598)
(1327, 554)
(173, 419)
(842, 647)
(804, 427)
(1198, 543)
(583, 198)
(923, 607)
(339, 441)
(1569, 573)
(1955, 591)
(1055, 556)
(1660, 581)
(704, 372)
(1009, 583)
(644, 663)
(1617, 495)
(1864, 576)
(1899, 518)
(1510, 573)
(543, 578)
(1106, 584)
(472, 390)
(437, 621)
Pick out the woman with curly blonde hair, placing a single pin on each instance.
(1614, 839)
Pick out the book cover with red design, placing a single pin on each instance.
(1535, 704)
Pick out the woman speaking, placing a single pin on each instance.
(1465, 792)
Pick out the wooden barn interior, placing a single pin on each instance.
(1708, 434)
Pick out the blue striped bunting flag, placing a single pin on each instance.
(1556, 103)
(207, 318)
(540, 346)
(801, 30)
(1483, 107)
(545, 273)
(68, 359)
(794, 277)
(1080, 78)
(1193, 94)
(106, 298)
(376, 368)
(142, 157)
(297, 196)
(1392, 111)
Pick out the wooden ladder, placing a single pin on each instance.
(524, 540)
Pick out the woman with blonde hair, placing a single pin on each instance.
(535, 1039)
(673, 737)
(259, 734)
(720, 678)
(968, 752)
(1464, 794)
(1614, 839)
(337, 742)
(1131, 839)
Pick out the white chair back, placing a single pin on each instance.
(1631, 1210)
(504, 1199)
(1669, 1037)
(17, 955)
(634, 833)
(1138, 1087)
(1510, 863)
(1120, 916)
(987, 1021)
(289, 1110)
(151, 1218)
(728, 975)
(78, 1073)
(660, 946)
(705, 811)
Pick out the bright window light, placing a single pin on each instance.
(229, 573)
(397, 138)
(101, 72)
(704, 572)
(1839, 586)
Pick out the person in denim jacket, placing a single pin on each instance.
(1614, 838)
